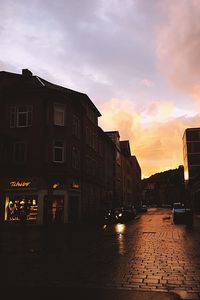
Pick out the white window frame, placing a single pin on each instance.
(60, 109)
(56, 147)
(15, 114)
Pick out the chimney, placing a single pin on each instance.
(26, 73)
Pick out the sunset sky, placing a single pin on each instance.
(137, 60)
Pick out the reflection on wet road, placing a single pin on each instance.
(148, 253)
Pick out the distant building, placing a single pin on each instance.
(164, 188)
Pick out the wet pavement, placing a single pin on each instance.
(149, 253)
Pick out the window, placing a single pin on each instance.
(20, 152)
(21, 116)
(59, 114)
(58, 151)
(18, 205)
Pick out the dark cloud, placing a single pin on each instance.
(104, 39)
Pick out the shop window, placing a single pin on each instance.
(21, 116)
(57, 209)
(20, 152)
(20, 206)
(59, 114)
(58, 151)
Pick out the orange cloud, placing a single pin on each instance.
(157, 140)
(178, 46)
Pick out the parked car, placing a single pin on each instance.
(182, 214)
(142, 208)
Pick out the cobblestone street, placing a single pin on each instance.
(149, 253)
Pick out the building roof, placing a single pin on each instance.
(125, 148)
(27, 79)
(191, 129)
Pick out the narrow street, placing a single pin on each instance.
(148, 253)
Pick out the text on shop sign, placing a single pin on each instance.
(20, 183)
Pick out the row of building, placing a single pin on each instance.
(56, 163)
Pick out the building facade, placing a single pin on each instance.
(56, 164)
(191, 153)
(118, 180)
(48, 151)
(191, 158)
(127, 182)
(136, 181)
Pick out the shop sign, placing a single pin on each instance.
(20, 183)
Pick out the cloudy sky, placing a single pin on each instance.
(137, 60)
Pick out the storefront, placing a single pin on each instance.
(21, 206)
(31, 201)
(21, 200)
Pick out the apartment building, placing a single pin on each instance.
(48, 151)
(56, 164)
(191, 158)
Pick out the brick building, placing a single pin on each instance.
(48, 151)
(56, 164)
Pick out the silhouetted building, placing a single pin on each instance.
(106, 167)
(191, 156)
(49, 151)
(164, 188)
(191, 153)
(56, 164)
(136, 181)
(118, 189)
(127, 173)
(127, 180)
